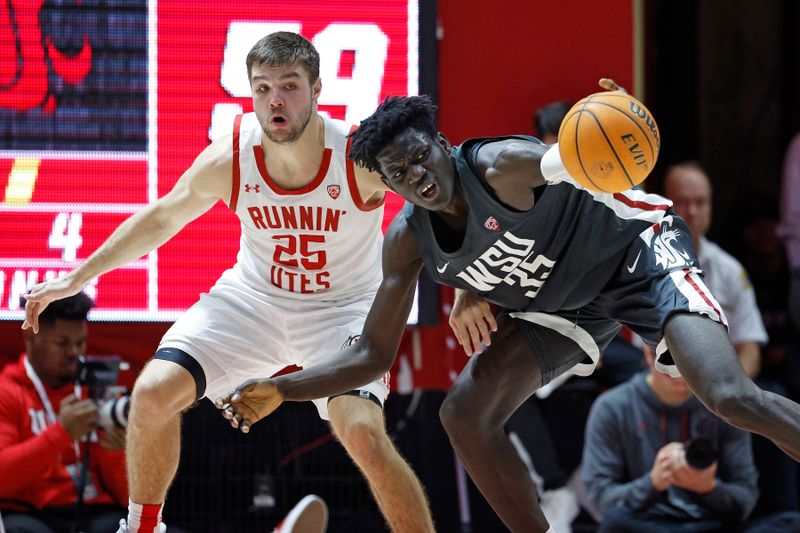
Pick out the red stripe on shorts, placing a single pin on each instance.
(638, 204)
(687, 274)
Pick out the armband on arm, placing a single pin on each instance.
(553, 169)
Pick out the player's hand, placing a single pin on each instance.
(472, 322)
(610, 85)
(664, 465)
(690, 478)
(40, 296)
(78, 417)
(250, 402)
(113, 439)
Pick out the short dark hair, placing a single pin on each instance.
(688, 164)
(71, 308)
(284, 48)
(395, 115)
(547, 118)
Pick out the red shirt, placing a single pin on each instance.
(34, 456)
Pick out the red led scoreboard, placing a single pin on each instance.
(103, 107)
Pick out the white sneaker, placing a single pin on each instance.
(560, 507)
(310, 515)
(123, 527)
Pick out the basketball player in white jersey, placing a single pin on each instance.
(305, 277)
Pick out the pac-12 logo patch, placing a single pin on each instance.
(492, 224)
(334, 191)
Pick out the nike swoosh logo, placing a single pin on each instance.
(443, 268)
(635, 262)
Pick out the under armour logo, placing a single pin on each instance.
(334, 191)
(492, 224)
(352, 339)
(252, 188)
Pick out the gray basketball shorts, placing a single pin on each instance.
(659, 276)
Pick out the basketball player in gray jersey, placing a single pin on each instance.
(503, 219)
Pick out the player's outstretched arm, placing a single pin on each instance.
(197, 190)
(361, 363)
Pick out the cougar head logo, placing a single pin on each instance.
(668, 256)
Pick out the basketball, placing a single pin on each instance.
(609, 142)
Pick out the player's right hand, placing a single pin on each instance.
(40, 296)
(77, 417)
(610, 85)
(472, 322)
(250, 402)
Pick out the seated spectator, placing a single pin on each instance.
(47, 433)
(689, 188)
(655, 459)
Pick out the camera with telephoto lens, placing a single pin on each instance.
(99, 375)
(701, 453)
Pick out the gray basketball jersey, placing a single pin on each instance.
(558, 255)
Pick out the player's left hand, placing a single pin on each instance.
(472, 322)
(610, 85)
(250, 402)
(113, 439)
(42, 294)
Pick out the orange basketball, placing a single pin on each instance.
(609, 141)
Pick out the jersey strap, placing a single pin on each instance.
(237, 124)
(355, 194)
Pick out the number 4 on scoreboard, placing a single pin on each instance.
(66, 235)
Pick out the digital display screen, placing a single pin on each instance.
(104, 104)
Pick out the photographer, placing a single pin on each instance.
(655, 459)
(45, 430)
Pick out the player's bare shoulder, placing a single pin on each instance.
(212, 170)
(514, 160)
(370, 186)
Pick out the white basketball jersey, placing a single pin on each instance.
(316, 243)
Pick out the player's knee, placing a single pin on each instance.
(457, 419)
(149, 401)
(737, 406)
(448, 414)
(157, 397)
(364, 440)
(740, 409)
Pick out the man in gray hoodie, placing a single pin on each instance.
(656, 459)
